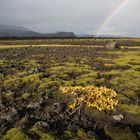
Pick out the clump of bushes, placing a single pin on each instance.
(101, 98)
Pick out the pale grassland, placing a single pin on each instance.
(43, 45)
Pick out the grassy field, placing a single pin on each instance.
(32, 105)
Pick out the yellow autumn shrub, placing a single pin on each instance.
(100, 97)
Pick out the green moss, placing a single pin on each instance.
(31, 63)
(42, 134)
(68, 71)
(79, 135)
(82, 134)
(122, 98)
(22, 122)
(21, 73)
(119, 133)
(48, 85)
(16, 134)
(25, 96)
(100, 82)
(86, 79)
(4, 63)
(130, 59)
(1, 77)
(127, 83)
(133, 109)
(114, 73)
(12, 83)
(114, 52)
(75, 138)
(32, 78)
(67, 135)
(9, 94)
(32, 81)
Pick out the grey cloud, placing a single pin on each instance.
(80, 16)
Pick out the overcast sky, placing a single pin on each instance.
(79, 16)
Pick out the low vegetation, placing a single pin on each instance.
(70, 92)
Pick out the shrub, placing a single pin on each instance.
(102, 98)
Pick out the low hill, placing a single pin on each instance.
(10, 31)
(18, 31)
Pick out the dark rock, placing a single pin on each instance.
(138, 134)
(33, 70)
(2, 107)
(84, 121)
(112, 45)
(14, 112)
(34, 105)
(91, 134)
(58, 107)
(42, 124)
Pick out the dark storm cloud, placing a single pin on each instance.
(80, 16)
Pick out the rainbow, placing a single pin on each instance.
(113, 13)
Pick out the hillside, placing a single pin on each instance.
(18, 31)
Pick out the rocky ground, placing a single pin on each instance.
(33, 108)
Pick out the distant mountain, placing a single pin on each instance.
(18, 31)
(61, 34)
(11, 31)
